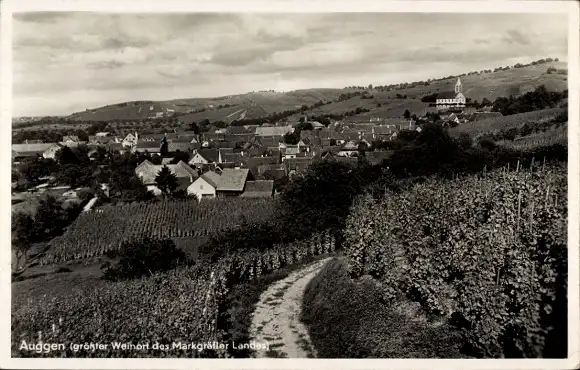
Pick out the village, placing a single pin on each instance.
(249, 160)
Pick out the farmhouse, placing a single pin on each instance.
(232, 182)
(147, 172)
(205, 156)
(205, 186)
(51, 152)
(451, 99)
(30, 150)
(259, 189)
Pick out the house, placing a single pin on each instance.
(290, 151)
(131, 140)
(232, 182)
(451, 99)
(70, 139)
(95, 139)
(116, 147)
(317, 125)
(172, 147)
(205, 156)
(51, 152)
(258, 189)
(147, 172)
(102, 134)
(148, 146)
(349, 149)
(238, 130)
(166, 160)
(204, 186)
(29, 150)
(294, 166)
(274, 131)
(151, 137)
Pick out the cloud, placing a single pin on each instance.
(111, 64)
(515, 36)
(116, 57)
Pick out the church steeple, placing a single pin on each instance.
(458, 86)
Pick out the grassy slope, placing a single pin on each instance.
(476, 87)
(346, 319)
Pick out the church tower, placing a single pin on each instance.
(458, 86)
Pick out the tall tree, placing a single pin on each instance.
(23, 233)
(166, 180)
(164, 150)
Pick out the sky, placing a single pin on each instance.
(68, 62)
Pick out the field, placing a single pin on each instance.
(494, 125)
(103, 229)
(487, 251)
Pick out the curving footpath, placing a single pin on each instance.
(276, 320)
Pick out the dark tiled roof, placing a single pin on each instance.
(182, 147)
(233, 179)
(211, 155)
(273, 131)
(212, 178)
(447, 95)
(258, 189)
(238, 130)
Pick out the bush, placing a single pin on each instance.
(346, 319)
(143, 257)
(62, 269)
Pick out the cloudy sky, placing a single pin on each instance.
(66, 62)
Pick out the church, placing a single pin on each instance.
(451, 99)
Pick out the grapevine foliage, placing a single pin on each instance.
(486, 251)
(178, 305)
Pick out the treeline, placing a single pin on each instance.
(47, 135)
(538, 99)
(408, 85)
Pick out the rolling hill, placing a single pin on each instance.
(383, 104)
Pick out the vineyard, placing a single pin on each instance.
(494, 125)
(96, 232)
(177, 306)
(534, 141)
(488, 252)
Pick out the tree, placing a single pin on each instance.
(144, 257)
(65, 156)
(407, 114)
(180, 156)
(23, 233)
(166, 180)
(164, 150)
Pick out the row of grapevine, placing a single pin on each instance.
(95, 233)
(496, 124)
(175, 306)
(488, 251)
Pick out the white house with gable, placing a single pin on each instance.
(205, 186)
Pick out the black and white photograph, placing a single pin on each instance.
(291, 184)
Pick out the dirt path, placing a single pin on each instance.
(276, 319)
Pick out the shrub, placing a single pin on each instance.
(347, 319)
(144, 257)
(62, 269)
